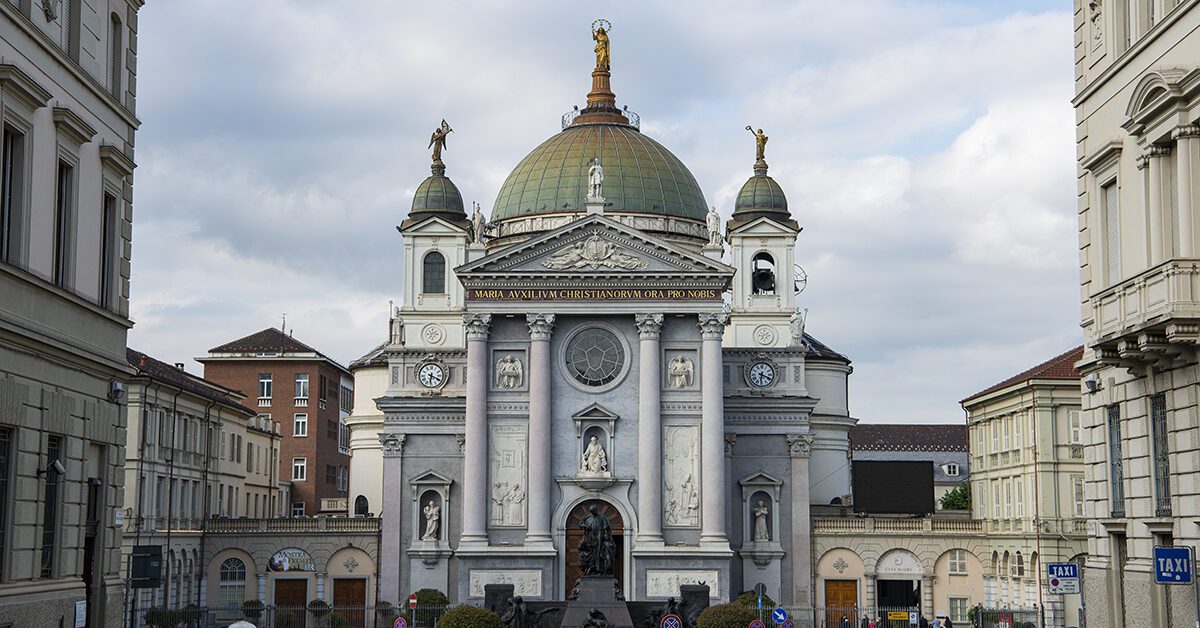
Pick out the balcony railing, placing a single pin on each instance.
(301, 402)
(1154, 298)
(264, 402)
(293, 524)
(888, 525)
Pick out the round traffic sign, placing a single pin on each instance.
(412, 601)
(779, 615)
(757, 624)
(400, 623)
(787, 623)
(671, 621)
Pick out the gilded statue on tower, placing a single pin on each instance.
(600, 34)
(760, 143)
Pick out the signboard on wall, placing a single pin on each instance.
(291, 559)
(893, 487)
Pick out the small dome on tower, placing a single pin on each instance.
(761, 196)
(437, 194)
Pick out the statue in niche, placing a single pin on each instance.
(714, 227)
(595, 179)
(597, 550)
(761, 534)
(595, 461)
(679, 372)
(508, 372)
(433, 514)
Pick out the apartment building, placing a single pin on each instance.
(1137, 106)
(1027, 483)
(309, 395)
(67, 96)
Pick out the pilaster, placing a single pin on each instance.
(800, 450)
(540, 328)
(649, 328)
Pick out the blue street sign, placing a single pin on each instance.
(1062, 570)
(779, 616)
(671, 621)
(1172, 565)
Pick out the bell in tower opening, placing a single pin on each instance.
(763, 274)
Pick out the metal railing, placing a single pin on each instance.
(291, 617)
(844, 617)
(1006, 617)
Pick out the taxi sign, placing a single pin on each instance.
(671, 621)
(1063, 577)
(1173, 565)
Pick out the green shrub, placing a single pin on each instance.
(749, 599)
(252, 609)
(732, 615)
(471, 617)
(319, 608)
(163, 618)
(431, 597)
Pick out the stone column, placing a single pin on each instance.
(1187, 163)
(391, 544)
(649, 328)
(712, 432)
(1152, 162)
(475, 457)
(538, 531)
(800, 450)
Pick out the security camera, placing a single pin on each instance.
(55, 466)
(116, 391)
(1092, 382)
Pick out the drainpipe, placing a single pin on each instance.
(204, 486)
(141, 490)
(170, 494)
(1037, 505)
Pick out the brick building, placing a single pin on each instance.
(310, 395)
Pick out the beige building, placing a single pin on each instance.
(67, 87)
(1027, 480)
(1137, 110)
(193, 453)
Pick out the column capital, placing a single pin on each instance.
(393, 444)
(712, 325)
(478, 325)
(649, 326)
(800, 445)
(462, 443)
(1186, 130)
(730, 439)
(540, 326)
(1156, 150)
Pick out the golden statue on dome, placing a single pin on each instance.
(600, 30)
(760, 143)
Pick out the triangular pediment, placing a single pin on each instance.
(593, 245)
(432, 225)
(595, 411)
(763, 226)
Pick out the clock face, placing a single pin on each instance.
(761, 374)
(431, 375)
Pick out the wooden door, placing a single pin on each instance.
(291, 601)
(575, 534)
(841, 600)
(350, 600)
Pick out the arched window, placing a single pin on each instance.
(762, 274)
(433, 276)
(1019, 566)
(232, 588)
(360, 506)
(115, 53)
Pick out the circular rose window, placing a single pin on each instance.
(595, 357)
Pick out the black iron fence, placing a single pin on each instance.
(292, 617)
(1006, 617)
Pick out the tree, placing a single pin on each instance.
(957, 498)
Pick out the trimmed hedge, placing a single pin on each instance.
(749, 599)
(471, 617)
(731, 615)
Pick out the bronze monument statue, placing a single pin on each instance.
(760, 143)
(597, 550)
(437, 141)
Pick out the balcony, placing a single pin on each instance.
(891, 526)
(1145, 319)
(294, 524)
(301, 402)
(264, 402)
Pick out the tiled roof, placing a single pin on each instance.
(161, 371)
(908, 437)
(1058, 367)
(269, 339)
(374, 357)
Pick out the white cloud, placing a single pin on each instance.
(926, 147)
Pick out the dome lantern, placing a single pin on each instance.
(437, 195)
(760, 196)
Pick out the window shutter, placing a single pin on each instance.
(1112, 234)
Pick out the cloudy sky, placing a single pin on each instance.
(925, 147)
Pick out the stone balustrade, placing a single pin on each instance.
(292, 524)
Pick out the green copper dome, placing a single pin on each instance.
(437, 194)
(761, 193)
(639, 175)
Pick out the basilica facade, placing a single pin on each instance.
(602, 340)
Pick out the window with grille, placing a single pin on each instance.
(1116, 467)
(1162, 461)
(1109, 196)
(433, 273)
(232, 590)
(50, 505)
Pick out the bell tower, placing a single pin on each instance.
(762, 237)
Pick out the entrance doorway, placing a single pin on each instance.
(291, 600)
(575, 534)
(841, 600)
(898, 594)
(350, 600)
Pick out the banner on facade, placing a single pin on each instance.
(593, 294)
(291, 559)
